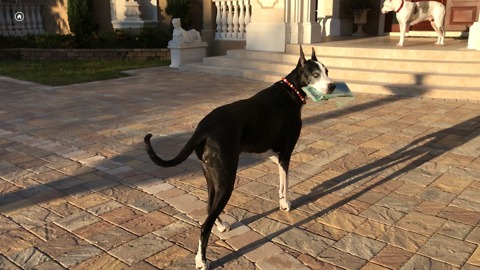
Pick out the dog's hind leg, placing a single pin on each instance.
(220, 199)
(221, 226)
(220, 176)
(437, 26)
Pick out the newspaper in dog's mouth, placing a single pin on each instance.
(342, 94)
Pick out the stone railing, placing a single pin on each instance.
(20, 19)
(232, 19)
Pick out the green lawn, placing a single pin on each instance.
(56, 73)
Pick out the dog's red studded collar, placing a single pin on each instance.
(302, 98)
(401, 6)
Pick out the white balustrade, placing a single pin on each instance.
(32, 22)
(232, 19)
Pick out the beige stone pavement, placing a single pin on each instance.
(384, 183)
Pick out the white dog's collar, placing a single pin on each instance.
(401, 6)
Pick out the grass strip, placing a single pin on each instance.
(56, 73)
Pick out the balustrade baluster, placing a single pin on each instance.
(229, 20)
(39, 19)
(29, 23)
(224, 19)
(232, 18)
(9, 17)
(235, 19)
(218, 20)
(33, 20)
(247, 13)
(18, 26)
(241, 20)
(37, 27)
(3, 20)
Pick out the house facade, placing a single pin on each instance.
(255, 24)
(271, 24)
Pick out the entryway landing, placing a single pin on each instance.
(452, 49)
(423, 43)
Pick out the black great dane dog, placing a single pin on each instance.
(268, 121)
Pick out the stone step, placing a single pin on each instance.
(446, 53)
(470, 93)
(423, 66)
(340, 73)
(451, 73)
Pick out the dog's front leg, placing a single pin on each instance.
(403, 30)
(285, 205)
(282, 193)
(200, 262)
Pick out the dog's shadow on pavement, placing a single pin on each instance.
(404, 160)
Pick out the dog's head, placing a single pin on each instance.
(314, 74)
(388, 6)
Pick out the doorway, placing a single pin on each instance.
(460, 15)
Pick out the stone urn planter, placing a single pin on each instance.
(132, 11)
(360, 19)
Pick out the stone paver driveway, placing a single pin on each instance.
(384, 183)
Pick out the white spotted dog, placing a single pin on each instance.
(409, 13)
(268, 121)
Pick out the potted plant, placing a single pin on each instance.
(359, 11)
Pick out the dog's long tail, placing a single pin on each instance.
(181, 157)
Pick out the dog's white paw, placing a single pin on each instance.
(200, 264)
(399, 45)
(285, 205)
(223, 227)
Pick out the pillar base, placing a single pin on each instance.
(266, 37)
(335, 27)
(134, 24)
(187, 53)
(474, 37)
(304, 33)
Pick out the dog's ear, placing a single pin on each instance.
(301, 60)
(314, 57)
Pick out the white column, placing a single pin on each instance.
(266, 30)
(474, 36)
(302, 27)
(330, 21)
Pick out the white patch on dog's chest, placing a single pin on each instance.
(269, 154)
